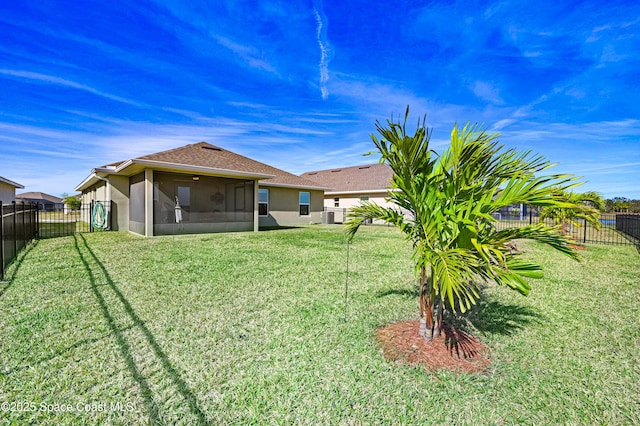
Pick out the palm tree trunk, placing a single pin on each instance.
(439, 318)
(422, 330)
(426, 306)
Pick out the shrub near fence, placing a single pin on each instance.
(18, 226)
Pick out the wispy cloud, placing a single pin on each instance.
(321, 36)
(609, 168)
(604, 132)
(250, 55)
(50, 79)
(487, 92)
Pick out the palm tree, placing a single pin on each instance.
(586, 206)
(443, 205)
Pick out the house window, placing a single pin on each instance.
(336, 202)
(263, 202)
(305, 202)
(364, 198)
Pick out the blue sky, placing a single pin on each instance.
(299, 84)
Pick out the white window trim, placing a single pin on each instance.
(300, 203)
(267, 203)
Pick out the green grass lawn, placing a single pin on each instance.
(249, 328)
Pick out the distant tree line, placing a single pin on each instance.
(621, 205)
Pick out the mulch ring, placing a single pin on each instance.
(578, 246)
(453, 350)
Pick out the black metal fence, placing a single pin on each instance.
(61, 220)
(629, 224)
(22, 222)
(18, 227)
(615, 228)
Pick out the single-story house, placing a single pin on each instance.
(45, 202)
(351, 185)
(201, 188)
(8, 190)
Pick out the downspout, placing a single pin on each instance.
(108, 200)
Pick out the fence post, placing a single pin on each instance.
(37, 222)
(15, 230)
(91, 216)
(24, 227)
(530, 216)
(584, 237)
(1, 242)
(34, 228)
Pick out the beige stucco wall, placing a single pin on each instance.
(7, 193)
(97, 192)
(284, 207)
(148, 203)
(349, 200)
(346, 201)
(120, 203)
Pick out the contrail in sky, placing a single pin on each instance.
(321, 33)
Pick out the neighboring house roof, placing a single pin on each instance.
(10, 182)
(40, 197)
(206, 159)
(356, 179)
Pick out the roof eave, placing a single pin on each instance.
(286, 185)
(360, 191)
(87, 182)
(12, 183)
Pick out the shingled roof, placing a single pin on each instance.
(206, 158)
(365, 178)
(39, 196)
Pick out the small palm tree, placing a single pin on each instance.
(586, 206)
(443, 205)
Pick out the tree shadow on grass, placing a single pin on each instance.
(15, 266)
(491, 316)
(460, 342)
(277, 228)
(96, 271)
(406, 292)
(488, 316)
